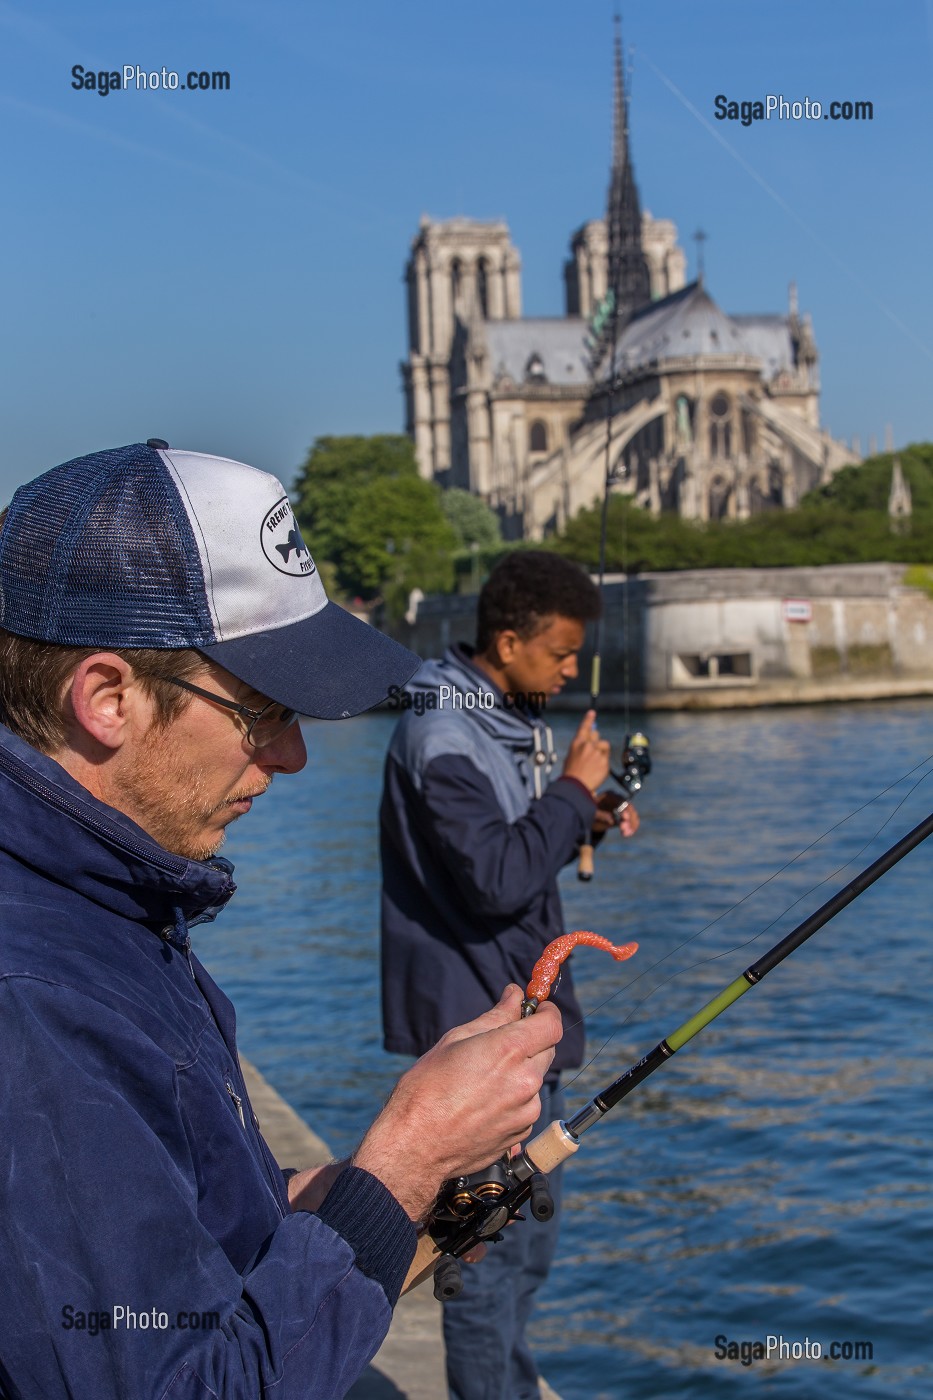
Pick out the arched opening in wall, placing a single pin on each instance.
(719, 492)
(414, 326)
(748, 435)
(720, 426)
(456, 283)
(537, 436)
(482, 287)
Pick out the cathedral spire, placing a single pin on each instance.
(628, 269)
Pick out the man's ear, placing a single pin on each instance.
(103, 695)
(504, 645)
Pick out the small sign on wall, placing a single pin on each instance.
(798, 610)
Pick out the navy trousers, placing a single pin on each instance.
(484, 1328)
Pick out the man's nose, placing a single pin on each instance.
(287, 753)
(569, 668)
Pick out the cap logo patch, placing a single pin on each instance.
(282, 543)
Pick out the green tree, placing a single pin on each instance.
(363, 507)
(866, 486)
(471, 519)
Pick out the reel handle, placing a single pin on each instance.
(542, 1202)
(448, 1278)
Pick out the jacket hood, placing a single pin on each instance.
(472, 690)
(54, 825)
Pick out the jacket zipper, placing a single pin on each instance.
(236, 1099)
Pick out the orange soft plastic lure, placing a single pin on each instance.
(548, 965)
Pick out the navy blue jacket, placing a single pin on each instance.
(472, 840)
(132, 1172)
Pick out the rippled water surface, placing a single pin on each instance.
(774, 1178)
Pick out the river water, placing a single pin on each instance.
(774, 1179)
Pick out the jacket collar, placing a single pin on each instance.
(55, 826)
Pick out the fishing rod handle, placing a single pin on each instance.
(585, 862)
(551, 1147)
(424, 1262)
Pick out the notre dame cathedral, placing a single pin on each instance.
(712, 416)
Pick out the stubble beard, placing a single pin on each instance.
(169, 799)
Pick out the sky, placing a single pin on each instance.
(223, 269)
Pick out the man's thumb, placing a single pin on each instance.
(507, 1008)
(506, 1011)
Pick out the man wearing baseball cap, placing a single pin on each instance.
(162, 625)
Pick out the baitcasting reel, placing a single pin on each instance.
(476, 1209)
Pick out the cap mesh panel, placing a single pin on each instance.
(99, 552)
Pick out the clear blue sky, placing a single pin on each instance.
(223, 269)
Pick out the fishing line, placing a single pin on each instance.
(726, 952)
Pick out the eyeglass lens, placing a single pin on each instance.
(269, 724)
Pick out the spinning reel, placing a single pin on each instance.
(636, 765)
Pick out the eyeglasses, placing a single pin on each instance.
(265, 725)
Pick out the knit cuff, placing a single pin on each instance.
(366, 1214)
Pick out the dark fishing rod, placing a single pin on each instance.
(475, 1209)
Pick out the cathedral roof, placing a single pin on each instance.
(684, 324)
(768, 338)
(556, 341)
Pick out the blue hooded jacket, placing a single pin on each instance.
(134, 1177)
(472, 840)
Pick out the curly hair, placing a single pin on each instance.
(528, 587)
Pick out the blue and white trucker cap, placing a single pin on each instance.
(144, 546)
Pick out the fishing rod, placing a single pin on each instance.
(474, 1209)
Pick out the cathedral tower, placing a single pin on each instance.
(458, 269)
(628, 268)
(631, 252)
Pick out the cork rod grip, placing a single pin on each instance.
(585, 863)
(422, 1266)
(551, 1147)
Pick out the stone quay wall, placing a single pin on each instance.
(730, 638)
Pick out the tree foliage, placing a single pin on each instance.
(471, 519)
(845, 522)
(364, 509)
